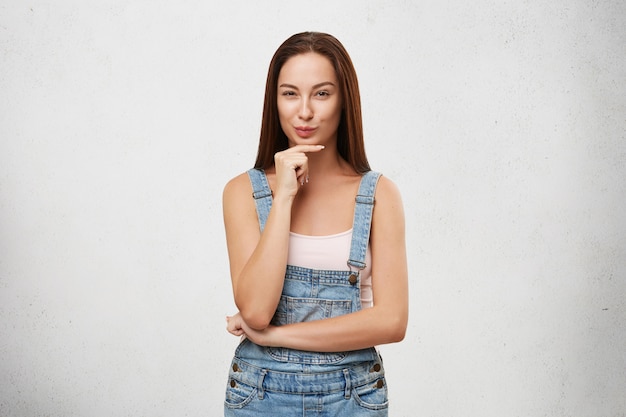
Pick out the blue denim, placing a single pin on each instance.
(281, 382)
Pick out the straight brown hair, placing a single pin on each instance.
(350, 130)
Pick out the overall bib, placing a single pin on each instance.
(277, 382)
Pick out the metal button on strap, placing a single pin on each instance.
(352, 279)
(233, 384)
(380, 383)
(235, 367)
(375, 368)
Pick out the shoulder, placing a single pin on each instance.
(238, 204)
(388, 220)
(237, 194)
(387, 191)
(388, 208)
(237, 185)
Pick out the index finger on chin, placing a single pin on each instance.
(307, 148)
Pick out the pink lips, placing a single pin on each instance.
(305, 131)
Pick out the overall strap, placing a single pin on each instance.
(262, 195)
(363, 219)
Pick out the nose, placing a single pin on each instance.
(305, 112)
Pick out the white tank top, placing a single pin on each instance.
(330, 253)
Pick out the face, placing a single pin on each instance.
(309, 101)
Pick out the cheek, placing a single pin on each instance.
(284, 116)
(281, 110)
(286, 109)
(333, 113)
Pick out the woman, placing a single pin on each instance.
(318, 271)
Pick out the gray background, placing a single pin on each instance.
(503, 123)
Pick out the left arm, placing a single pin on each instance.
(383, 323)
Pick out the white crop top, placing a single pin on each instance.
(330, 253)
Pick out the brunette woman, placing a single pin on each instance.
(316, 243)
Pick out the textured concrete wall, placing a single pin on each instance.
(503, 123)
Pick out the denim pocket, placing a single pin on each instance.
(238, 394)
(372, 396)
(302, 309)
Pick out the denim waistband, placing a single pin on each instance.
(345, 379)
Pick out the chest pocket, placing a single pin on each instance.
(299, 309)
(307, 296)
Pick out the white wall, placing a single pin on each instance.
(503, 123)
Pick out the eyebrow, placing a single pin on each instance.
(322, 84)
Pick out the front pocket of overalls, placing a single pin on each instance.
(238, 394)
(300, 309)
(372, 396)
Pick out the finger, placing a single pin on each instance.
(236, 332)
(306, 148)
(299, 162)
(299, 170)
(293, 160)
(302, 177)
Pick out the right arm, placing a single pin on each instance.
(258, 260)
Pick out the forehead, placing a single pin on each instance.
(304, 68)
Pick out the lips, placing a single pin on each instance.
(305, 131)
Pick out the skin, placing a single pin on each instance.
(314, 191)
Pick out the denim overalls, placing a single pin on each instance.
(279, 382)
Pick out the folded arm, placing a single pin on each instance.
(258, 261)
(385, 322)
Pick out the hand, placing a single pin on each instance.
(292, 168)
(236, 326)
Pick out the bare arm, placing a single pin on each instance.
(385, 322)
(258, 261)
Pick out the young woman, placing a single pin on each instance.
(316, 243)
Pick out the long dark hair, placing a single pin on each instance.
(350, 131)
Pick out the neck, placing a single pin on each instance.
(327, 163)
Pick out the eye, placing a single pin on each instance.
(288, 93)
(322, 93)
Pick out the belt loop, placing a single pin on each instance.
(260, 383)
(346, 375)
